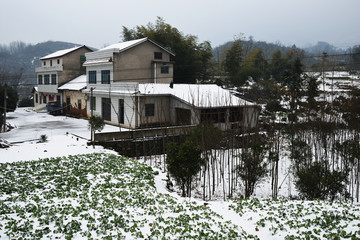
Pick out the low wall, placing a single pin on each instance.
(144, 133)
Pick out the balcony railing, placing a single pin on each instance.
(49, 69)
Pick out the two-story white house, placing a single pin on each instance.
(130, 84)
(57, 69)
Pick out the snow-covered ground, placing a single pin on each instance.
(266, 220)
(65, 136)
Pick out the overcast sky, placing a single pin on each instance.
(98, 23)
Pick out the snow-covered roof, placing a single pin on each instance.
(76, 84)
(61, 53)
(97, 61)
(199, 95)
(123, 46)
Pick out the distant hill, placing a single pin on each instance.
(21, 57)
(269, 48)
(321, 47)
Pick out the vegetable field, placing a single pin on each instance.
(104, 196)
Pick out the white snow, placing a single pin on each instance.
(198, 95)
(119, 47)
(65, 136)
(76, 84)
(60, 53)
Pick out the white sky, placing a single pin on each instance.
(99, 23)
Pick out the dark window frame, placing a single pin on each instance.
(165, 69)
(92, 77)
(40, 79)
(105, 76)
(149, 109)
(121, 111)
(53, 79)
(47, 79)
(79, 104)
(158, 55)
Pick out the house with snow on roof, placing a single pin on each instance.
(57, 69)
(75, 99)
(130, 84)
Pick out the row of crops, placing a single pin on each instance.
(98, 196)
(103, 196)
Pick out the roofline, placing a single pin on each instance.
(145, 40)
(158, 44)
(45, 58)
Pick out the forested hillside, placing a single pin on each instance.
(18, 61)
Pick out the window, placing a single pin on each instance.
(51, 98)
(164, 69)
(53, 79)
(92, 103)
(50, 63)
(58, 61)
(40, 79)
(44, 99)
(158, 55)
(46, 79)
(105, 76)
(121, 111)
(92, 77)
(79, 104)
(149, 110)
(44, 63)
(36, 98)
(82, 60)
(216, 115)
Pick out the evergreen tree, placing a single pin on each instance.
(192, 60)
(253, 167)
(184, 162)
(232, 63)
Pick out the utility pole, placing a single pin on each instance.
(5, 103)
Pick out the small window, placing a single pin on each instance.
(92, 77)
(92, 103)
(40, 79)
(46, 79)
(105, 76)
(44, 63)
(158, 55)
(79, 104)
(164, 69)
(82, 60)
(50, 63)
(149, 110)
(53, 79)
(58, 61)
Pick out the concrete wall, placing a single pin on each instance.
(129, 108)
(138, 65)
(75, 97)
(72, 67)
(161, 111)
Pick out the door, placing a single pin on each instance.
(68, 104)
(106, 108)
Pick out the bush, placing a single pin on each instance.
(96, 123)
(316, 181)
(184, 161)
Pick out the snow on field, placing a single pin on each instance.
(265, 219)
(65, 136)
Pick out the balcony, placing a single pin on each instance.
(49, 69)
